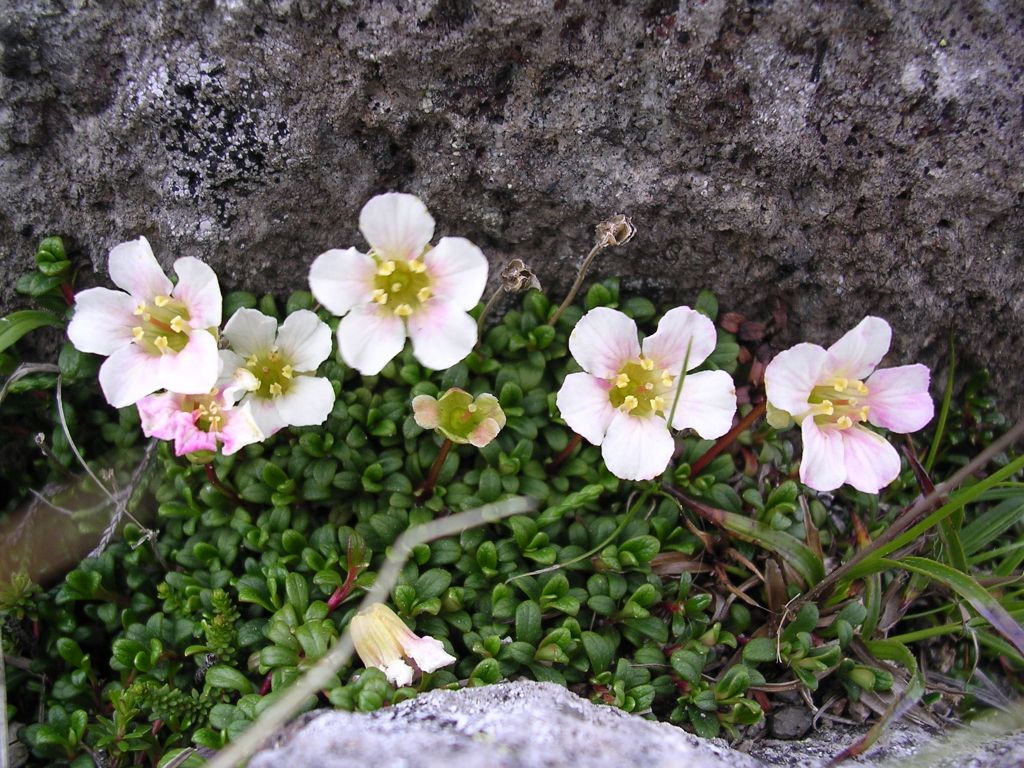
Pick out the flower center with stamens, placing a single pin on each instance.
(206, 411)
(274, 375)
(839, 402)
(163, 326)
(400, 285)
(641, 389)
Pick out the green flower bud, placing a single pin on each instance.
(460, 417)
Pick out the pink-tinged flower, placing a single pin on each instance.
(402, 287)
(202, 422)
(383, 641)
(156, 335)
(623, 400)
(460, 417)
(283, 362)
(832, 392)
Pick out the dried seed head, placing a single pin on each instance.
(516, 277)
(618, 230)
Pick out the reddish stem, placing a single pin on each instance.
(211, 475)
(344, 590)
(563, 454)
(68, 292)
(427, 489)
(265, 688)
(727, 439)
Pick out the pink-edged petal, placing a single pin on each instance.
(304, 340)
(706, 405)
(134, 268)
(160, 415)
(193, 370)
(428, 653)
(103, 321)
(680, 329)
(484, 433)
(250, 332)
(637, 448)
(859, 351)
(397, 671)
(342, 279)
(822, 466)
(442, 334)
(369, 337)
(585, 405)
(128, 375)
(192, 439)
(264, 412)
(307, 402)
(425, 411)
(791, 375)
(199, 291)
(396, 225)
(458, 271)
(240, 430)
(898, 398)
(871, 463)
(603, 341)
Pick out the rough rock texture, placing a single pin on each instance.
(540, 725)
(841, 157)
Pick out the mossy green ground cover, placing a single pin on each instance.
(676, 599)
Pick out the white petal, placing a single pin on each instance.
(822, 466)
(859, 351)
(369, 337)
(265, 414)
(398, 672)
(250, 332)
(585, 405)
(193, 370)
(706, 405)
(458, 271)
(128, 375)
(442, 334)
(428, 653)
(304, 340)
(199, 290)
(241, 430)
(341, 279)
(680, 329)
(134, 268)
(790, 377)
(603, 341)
(103, 321)
(230, 362)
(307, 402)
(871, 463)
(396, 225)
(898, 398)
(636, 448)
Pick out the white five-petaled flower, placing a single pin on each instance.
(156, 335)
(623, 399)
(401, 287)
(383, 641)
(203, 422)
(832, 392)
(282, 362)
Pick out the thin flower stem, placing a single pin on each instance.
(427, 489)
(211, 475)
(727, 439)
(486, 310)
(563, 454)
(598, 247)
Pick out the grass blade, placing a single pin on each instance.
(947, 399)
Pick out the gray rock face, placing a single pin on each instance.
(838, 157)
(540, 725)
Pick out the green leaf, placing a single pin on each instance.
(17, 324)
(228, 678)
(760, 650)
(528, 619)
(599, 650)
(707, 304)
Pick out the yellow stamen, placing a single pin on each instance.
(839, 384)
(647, 364)
(844, 422)
(658, 403)
(160, 342)
(396, 287)
(275, 389)
(146, 317)
(861, 387)
(138, 333)
(622, 381)
(417, 266)
(274, 353)
(667, 378)
(864, 413)
(251, 362)
(140, 309)
(629, 403)
(386, 268)
(424, 293)
(256, 384)
(380, 296)
(286, 371)
(403, 310)
(178, 324)
(649, 386)
(161, 301)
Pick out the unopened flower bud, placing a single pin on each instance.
(460, 417)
